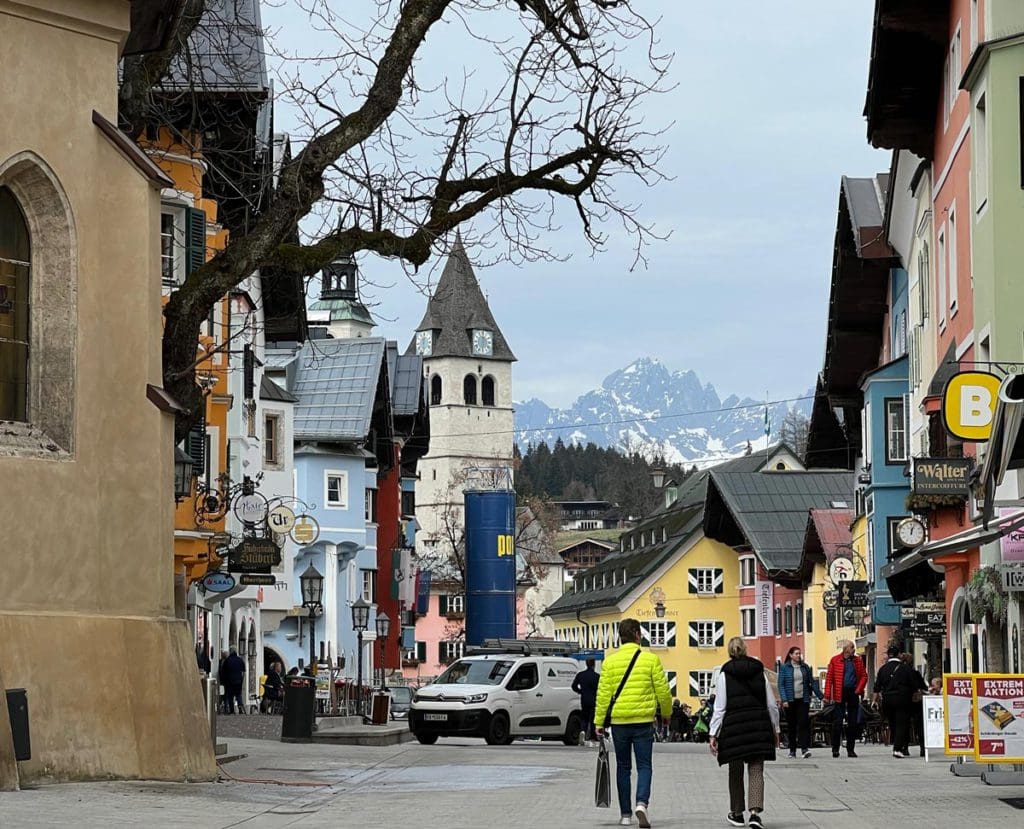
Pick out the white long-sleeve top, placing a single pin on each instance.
(721, 699)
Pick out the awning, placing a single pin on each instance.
(965, 540)
(1006, 445)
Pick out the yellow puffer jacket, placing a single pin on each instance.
(646, 689)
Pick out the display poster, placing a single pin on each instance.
(958, 709)
(999, 718)
(934, 722)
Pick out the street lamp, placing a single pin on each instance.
(183, 466)
(360, 621)
(383, 628)
(312, 596)
(658, 478)
(659, 610)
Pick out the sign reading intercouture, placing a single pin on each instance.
(999, 718)
(942, 476)
(958, 705)
(764, 619)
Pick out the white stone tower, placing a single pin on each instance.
(468, 368)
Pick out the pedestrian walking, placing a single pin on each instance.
(797, 687)
(632, 689)
(273, 689)
(676, 729)
(894, 686)
(585, 684)
(232, 676)
(744, 729)
(845, 681)
(918, 689)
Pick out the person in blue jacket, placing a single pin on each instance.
(796, 687)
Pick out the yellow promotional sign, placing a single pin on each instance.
(969, 405)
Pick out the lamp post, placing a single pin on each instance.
(360, 621)
(383, 628)
(312, 596)
(658, 478)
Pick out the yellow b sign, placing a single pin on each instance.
(969, 405)
(506, 546)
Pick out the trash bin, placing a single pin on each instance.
(17, 710)
(299, 702)
(381, 709)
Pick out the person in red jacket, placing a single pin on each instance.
(844, 684)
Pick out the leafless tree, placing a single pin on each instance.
(794, 431)
(406, 162)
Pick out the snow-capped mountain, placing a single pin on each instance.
(646, 407)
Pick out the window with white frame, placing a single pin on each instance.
(705, 681)
(975, 26)
(748, 571)
(370, 507)
(170, 258)
(705, 579)
(924, 280)
(705, 630)
(953, 266)
(271, 444)
(336, 490)
(450, 651)
(747, 622)
(896, 430)
(658, 634)
(369, 585)
(953, 66)
(457, 603)
(941, 278)
(979, 152)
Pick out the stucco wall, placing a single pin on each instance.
(87, 615)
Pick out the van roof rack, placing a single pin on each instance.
(524, 647)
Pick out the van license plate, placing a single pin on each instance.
(435, 717)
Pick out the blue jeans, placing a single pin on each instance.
(639, 738)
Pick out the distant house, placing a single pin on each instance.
(586, 553)
(588, 515)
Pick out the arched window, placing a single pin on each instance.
(435, 390)
(487, 391)
(469, 390)
(14, 309)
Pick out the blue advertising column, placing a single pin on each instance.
(490, 565)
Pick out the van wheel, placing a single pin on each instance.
(498, 731)
(573, 729)
(427, 739)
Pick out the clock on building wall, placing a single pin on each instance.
(483, 343)
(910, 532)
(424, 343)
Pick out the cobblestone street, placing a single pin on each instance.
(457, 784)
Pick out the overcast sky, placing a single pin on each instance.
(767, 110)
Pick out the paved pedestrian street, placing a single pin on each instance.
(457, 784)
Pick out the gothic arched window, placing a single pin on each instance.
(487, 391)
(15, 258)
(435, 390)
(469, 390)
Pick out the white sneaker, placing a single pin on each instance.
(626, 821)
(641, 815)
(898, 755)
(582, 738)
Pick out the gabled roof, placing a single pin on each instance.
(269, 390)
(226, 52)
(406, 371)
(456, 308)
(828, 533)
(595, 541)
(767, 511)
(336, 384)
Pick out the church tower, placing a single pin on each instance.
(340, 306)
(468, 369)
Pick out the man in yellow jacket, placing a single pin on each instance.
(631, 715)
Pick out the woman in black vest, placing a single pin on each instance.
(744, 729)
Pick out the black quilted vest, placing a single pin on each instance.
(746, 732)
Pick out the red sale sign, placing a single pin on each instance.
(999, 718)
(958, 708)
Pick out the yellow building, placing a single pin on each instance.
(682, 587)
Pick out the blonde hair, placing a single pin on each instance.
(737, 647)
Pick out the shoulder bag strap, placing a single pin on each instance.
(622, 684)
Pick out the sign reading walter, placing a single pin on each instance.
(254, 555)
(945, 476)
(999, 718)
(852, 593)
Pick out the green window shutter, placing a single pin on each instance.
(421, 651)
(195, 239)
(442, 604)
(195, 448)
(809, 627)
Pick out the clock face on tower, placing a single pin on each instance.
(424, 343)
(483, 343)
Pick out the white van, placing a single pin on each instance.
(500, 697)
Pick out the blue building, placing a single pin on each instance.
(343, 445)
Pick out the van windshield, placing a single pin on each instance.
(475, 672)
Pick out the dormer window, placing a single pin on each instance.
(483, 342)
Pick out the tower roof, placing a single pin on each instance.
(457, 307)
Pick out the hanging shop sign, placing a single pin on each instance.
(999, 718)
(958, 707)
(929, 621)
(1011, 545)
(764, 618)
(218, 582)
(281, 519)
(306, 530)
(1013, 576)
(254, 555)
(262, 579)
(251, 508)
(852, 594)
(969, 405)
(942, 476)
(841, 569)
